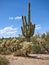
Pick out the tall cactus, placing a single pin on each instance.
(27, 27)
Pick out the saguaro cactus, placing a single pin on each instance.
(27, 27)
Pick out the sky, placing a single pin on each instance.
(11, 12)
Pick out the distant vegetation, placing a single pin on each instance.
(19, 46)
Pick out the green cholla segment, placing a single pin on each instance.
(27, 27)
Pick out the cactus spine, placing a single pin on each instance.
(27, 27)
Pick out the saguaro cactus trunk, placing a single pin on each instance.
(27, 27)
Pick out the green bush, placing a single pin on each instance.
(36, 48)
(3, 61)
(46, 47)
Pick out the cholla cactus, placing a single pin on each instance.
(27, 27)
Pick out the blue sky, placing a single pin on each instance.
(12, 10)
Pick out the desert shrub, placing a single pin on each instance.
(46, 47)
(15, 46)
(17, 53)
(8, 43)
(26, 48)
(19, 40)
(46, 42)
(4, 49)
(3, 61)
(7, 52)
(20, 52)
(24, 51)
(36, 48)
(42, 48)
(13, 40)
(43, 36)
(9, 48)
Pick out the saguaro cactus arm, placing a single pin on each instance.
(29, 13)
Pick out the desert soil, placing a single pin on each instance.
(34, 59)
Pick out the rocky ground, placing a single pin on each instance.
(34, 59)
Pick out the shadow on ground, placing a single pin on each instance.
(36, 57)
